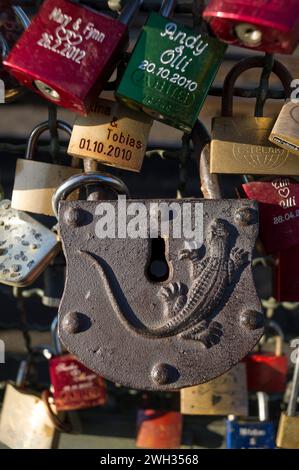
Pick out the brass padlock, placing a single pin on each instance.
(241, 145)
(112, 134)
(288, 429)
(224, 395)
(28, 419)
(285, 132)
(35, 182)
(26, 246)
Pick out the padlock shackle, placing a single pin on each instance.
(250, 63)
(26, 364)
(57, 346)
(209, 182)
(167, 8)
(292, 405)
(60, 425)
(279, 337)
(263, 406)
(21, 16)
(128, 12)
(23, 372)
(4, 47)
(38, 131)
(85, 179)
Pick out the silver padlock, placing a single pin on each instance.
(26, 246)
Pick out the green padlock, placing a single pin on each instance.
(170, 70)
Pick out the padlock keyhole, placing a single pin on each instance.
(158, 268)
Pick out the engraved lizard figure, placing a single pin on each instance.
(211, 276)
(188, 311)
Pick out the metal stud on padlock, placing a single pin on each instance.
(28, 420)
(192, 327)
(13, 21)
(267, 371)
(224, 395)
(278, 200)
(170, 70)
(35, 182)
(112, 134)
(264, 25)
(159, 429)
(74, 386)
(69, 52)
(241, 146)
(250, 433)
(27, 246)
(285, 132)
(288, 428)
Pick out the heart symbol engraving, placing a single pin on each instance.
(284, 192)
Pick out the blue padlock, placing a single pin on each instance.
(250, 433)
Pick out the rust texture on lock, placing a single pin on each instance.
(186, 330)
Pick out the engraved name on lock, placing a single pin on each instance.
(112, 134)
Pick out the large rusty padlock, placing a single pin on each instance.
(181, 331)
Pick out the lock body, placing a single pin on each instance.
(112, 134)
(285, 132)
(278, 200)
(267, 372)
(74, 386)
(170, 72)
(246, 434)
(68, 53)
(288, 427)
(263, 25)
(286, 275)
(224, 395)
(288, 432)
(159, 429)
(35, 184)
(21, 263)
(218, 330)
(24, 422)
(241, 146)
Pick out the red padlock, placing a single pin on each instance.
(278, 200)
(265, 25)
(74, 386)
(158, 429)
(286, 276)
(266, 371)
(69, 52)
